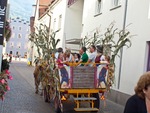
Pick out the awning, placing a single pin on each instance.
(73, 41)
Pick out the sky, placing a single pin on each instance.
(21, 8)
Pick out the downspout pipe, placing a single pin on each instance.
(49, 20)
(121, 50)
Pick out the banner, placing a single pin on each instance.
(3, 7)
(83, 77)
(101, 76)
(64, 77)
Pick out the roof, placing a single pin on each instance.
(44, 3)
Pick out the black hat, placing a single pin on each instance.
(99, 48)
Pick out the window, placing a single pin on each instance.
(82, 27)
(19, 28)
(17, 53)
(54, 24)
(59, 22)
(19, 45)
(98, 7)
(13, 27)
(13, 35)
(115, 3)
(11, 44)
(10, 52)
(19, 35)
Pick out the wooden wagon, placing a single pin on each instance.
(84, 83)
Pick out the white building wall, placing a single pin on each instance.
(36, 24)
(73, 22)
(57, 10)
(90, 22)
(137, 62)
(135, 58)
(45, 20)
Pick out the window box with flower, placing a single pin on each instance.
(4, 87)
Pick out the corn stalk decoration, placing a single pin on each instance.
(112, 41)
(44, 41)
(46, 47)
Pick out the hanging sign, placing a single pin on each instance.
(3, 7)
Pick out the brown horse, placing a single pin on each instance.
(39, 73)
(43, 74)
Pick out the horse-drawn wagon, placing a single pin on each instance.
(86, 84)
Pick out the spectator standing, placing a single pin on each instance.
(140, 101)
(10, 57)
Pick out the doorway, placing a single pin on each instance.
(10, 52)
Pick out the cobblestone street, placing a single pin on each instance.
(22, 99)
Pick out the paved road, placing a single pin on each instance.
(22, 99)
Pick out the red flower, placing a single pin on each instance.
(7, 72)
(10, 77)
(2, 81)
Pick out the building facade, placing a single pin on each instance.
(66, 18)
(39, 10)
(79, 18)
(18, 43)
(99, 14)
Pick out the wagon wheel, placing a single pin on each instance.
(58, 105)
(51, 93)
(96, 102)
(46, 94)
